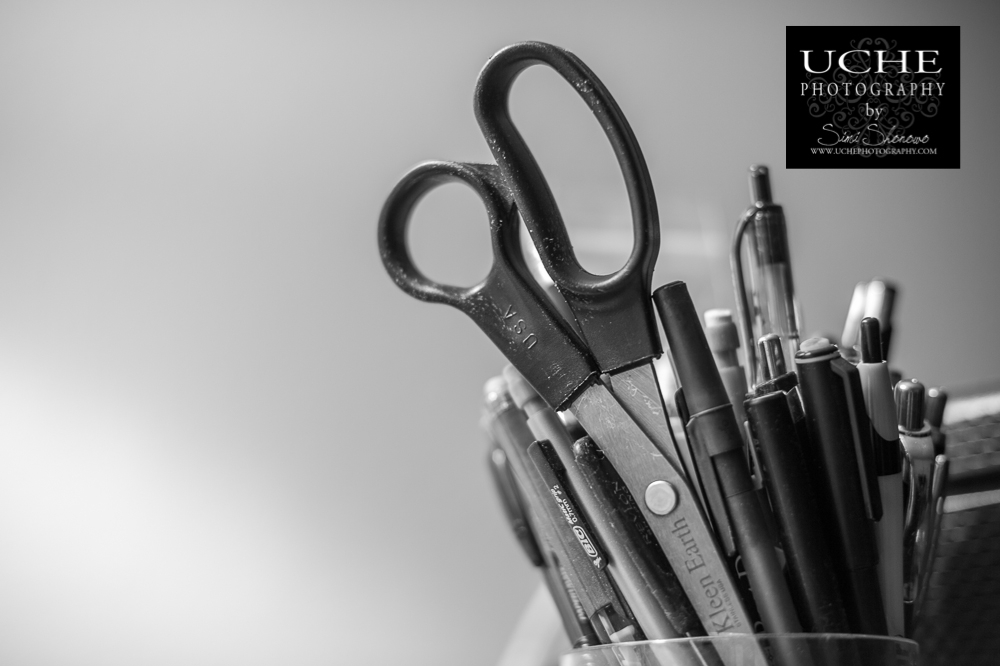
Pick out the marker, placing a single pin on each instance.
(713, 428)
(881, 409)
(838, 452)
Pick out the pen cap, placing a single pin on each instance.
(910, 405)
(693, 360)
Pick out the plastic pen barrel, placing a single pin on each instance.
(881, 408)
(838, 472)
(507, 426)
(770, 262)
(810, 573)
(713, 426)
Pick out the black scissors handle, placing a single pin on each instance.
(615, 312)
(508, 304)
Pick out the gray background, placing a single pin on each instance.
(227, 438)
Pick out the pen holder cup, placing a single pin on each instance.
(752, 650)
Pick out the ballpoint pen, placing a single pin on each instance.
(918, 446)
(649, 585)
(712, 427)
(770, 306)
(939, 482)
(880, 302)
(875, 298)
(778, 440)
(881, 409)
(937, 400)
(839, 457)
(507, 427)
(575, 622)
(724, 341)
(643, 576)
(613, 618)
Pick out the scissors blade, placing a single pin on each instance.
(670, 508)
(638, 392)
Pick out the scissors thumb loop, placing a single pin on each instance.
(398, 211)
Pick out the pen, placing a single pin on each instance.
(724, 340)
(839, 445)
(659, 604)
(852, 327)
(646, 580)
(772, 307)
(507, 427)
(880, 301)
(918, 446)
(612, 618)
(713, 428)
(937, 400)
(513, 505)
(574, 620)
(939, 481)
(810, 574)
(881, 409)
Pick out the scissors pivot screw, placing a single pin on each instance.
(661, 498)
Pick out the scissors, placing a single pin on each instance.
(605, 378)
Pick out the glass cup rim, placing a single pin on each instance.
(803, 637)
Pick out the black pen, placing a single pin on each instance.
(574, 619)
(776, 436)
(937, 400)
(647, 582)
(888, 459)
(918, 445)
(663, 610)
(506, 426)
(713, 428)
(880, 302)
(839, 457)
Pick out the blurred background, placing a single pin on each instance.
(227, 438)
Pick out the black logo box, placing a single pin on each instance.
(882, 118)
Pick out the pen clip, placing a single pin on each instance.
(861, 436)
(702, 448)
